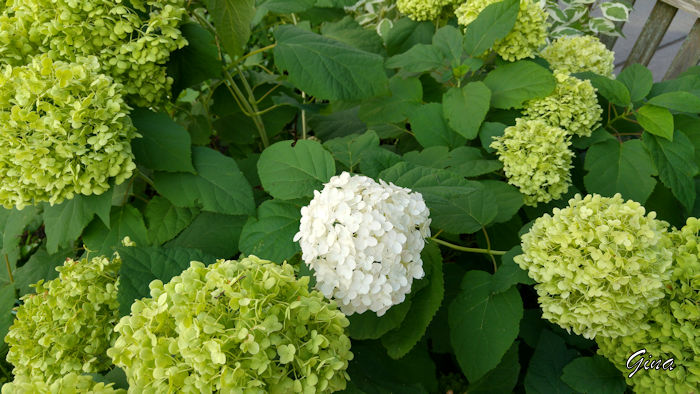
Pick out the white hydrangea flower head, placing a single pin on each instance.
(573, 54)
(363, 240)
(601, 263)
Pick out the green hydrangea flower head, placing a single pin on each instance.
(573, 54)
(600, 264)
(234, 326)
(71, 383)
(536, 159)
(424, 10)
(64, 130)
(527, 36)
(68, 324)
(573, 106)
(674, 326)
(132, 40)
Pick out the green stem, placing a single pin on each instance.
(466, 249)
(249, 108)
(488, 248)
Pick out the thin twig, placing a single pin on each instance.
(488, 247)
(466, 249)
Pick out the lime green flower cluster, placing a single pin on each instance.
(424, 10)
(234, 326)
(68, 324)
(132, 40)
(573, 54)
(529, 32)
(536, 159)
(63, 131)
(71, 383)
(573, 106)
(600, 263)
(674, 326)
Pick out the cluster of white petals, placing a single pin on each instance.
(363, 239)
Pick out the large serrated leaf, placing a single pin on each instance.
(165, 221)
(64, 222)
(514, 83)
(270, 235)
(493, 23)
(232, 20)
(327, 68)
(466, 107)
(164, 145)
(288, 172)
(219, 185)
(125, 221)
(676, 165)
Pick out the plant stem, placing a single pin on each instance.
(303, 117)
(249, 107)
(488, 247)
(466, 249)
(9, 270)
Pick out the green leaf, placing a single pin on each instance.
(425, 303)
(594, 375)
(620, 168)
(141, 265)
(431, 129)
(350, 149)
(65, 222)
(615, 11)
(212, 233)
(492, 24)
(337, 123)
(326, 68)
(503, 378)
(483, 325)
(509, 272)
(638, 80)
(405, 98)
(288, 172)
(283, 6)
(675, 161)
(465, 161)
(406, 34)
(197, 61)
(165, 220)
(456, 205)
(350, 32)
(125, 221)
(164, 145)
(15, 221)
(690, 126)
(219, 185)
(488, 131)
(514, 83)
(546, 365)
(506, 197)
(270, 235)
(232, 20)
(41, 265)
(677, 101)
(448, 39)
(475, 97)
(7, 302)
(613, 90)
(656, 120)
(418, 59)
(376, 160)
(368, 325)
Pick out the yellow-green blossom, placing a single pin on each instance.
(71, 383)
(423, 10)
(68, 324)
(600, 264)
(63, 131)
(674, 326)
(132, 40)
(573, 106)
(573, 54)
(536, 159)
(529, 32)
(234, 326)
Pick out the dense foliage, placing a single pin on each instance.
(367, 196)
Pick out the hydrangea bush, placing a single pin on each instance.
(442, 196)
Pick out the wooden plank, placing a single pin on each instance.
(690, 6)
(609, 41)
(654, 29)
(688, 55)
